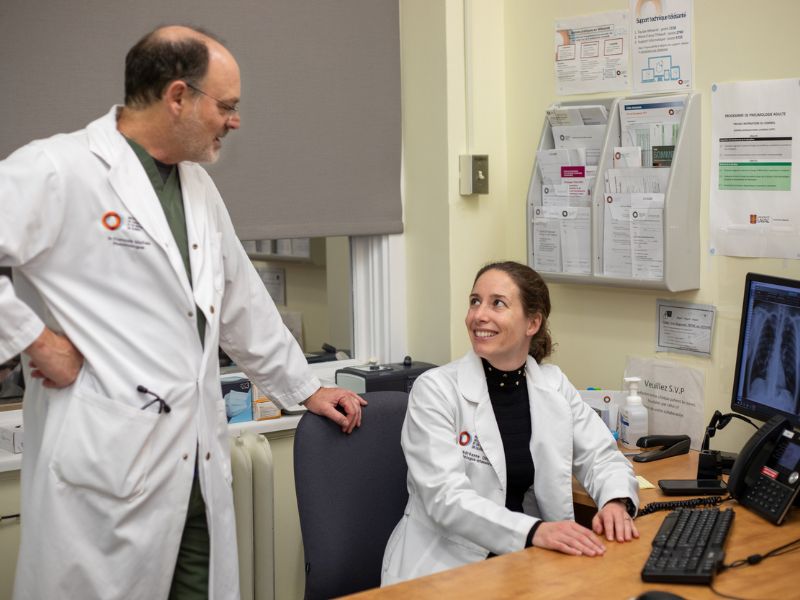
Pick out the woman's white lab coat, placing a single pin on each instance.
(105, 484)
(457, 472)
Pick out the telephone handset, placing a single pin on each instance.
(766, 475)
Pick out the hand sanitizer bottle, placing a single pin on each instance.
(633, 416)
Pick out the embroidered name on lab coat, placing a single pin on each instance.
(471, 449)
(131, 225)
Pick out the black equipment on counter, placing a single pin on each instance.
(374, 377)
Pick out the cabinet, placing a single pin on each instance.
(290, 577)
(289, 558)
(303, 250)
(681, 213)
(9, 531)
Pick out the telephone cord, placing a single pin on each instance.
(693, 502)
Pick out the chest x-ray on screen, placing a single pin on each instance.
(772, 357)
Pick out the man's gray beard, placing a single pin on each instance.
(196, 149)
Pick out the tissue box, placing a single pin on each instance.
(236, 390)
(11, 438)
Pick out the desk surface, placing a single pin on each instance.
(676, 467)
(546, 574)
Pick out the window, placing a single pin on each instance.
(310, 282)
(350, 292)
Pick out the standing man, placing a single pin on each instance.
(128, 275)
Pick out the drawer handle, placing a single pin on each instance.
(8, 517)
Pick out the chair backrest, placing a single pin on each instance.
(351, 492)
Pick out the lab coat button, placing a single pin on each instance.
(195, 246)
(208, 455)
(212, 309)
(190, 314)
(185, 457)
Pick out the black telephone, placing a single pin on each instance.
(766, 475)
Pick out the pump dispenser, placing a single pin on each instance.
(633, 416)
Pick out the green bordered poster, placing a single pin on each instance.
(754, 204)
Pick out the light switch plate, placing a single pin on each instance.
(473, 174)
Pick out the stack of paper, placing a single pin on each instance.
(633, 235)
(633, 217)
(652, 124)
(587, 137)
(592, 114)
(637, 181)
(562, 224)
(562, 238)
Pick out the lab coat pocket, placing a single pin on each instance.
(103, 445)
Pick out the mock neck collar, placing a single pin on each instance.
(503, 380)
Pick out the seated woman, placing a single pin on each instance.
(492, 441)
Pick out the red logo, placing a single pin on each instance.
(464, 438)
(111, 220)
(753, 219)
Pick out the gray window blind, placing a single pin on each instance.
(319, 150)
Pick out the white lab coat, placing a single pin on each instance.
(105, 484)
(457, 471)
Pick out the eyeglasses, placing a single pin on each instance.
(162, 405)
(232, 110)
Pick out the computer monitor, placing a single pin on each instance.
(767, 377)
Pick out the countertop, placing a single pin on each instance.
(326, 372)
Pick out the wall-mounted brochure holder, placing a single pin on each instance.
(628, 214)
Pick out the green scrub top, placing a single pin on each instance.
(167, 185)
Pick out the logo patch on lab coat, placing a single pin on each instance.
(111, 220)
(131, 236)
(471, 449)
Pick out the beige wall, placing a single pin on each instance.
(510, 48)
(339, 292)
(448, 235)
(320, 288)
(423, 59)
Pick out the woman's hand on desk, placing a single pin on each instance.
(613, 520)
(568, 537)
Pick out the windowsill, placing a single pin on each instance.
(325, 372)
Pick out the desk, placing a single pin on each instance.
(616, 575)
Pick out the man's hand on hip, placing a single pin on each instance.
(325, 400)
(54, 359)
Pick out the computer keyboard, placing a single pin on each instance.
(688, 547)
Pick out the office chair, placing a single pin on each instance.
(351, 492)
